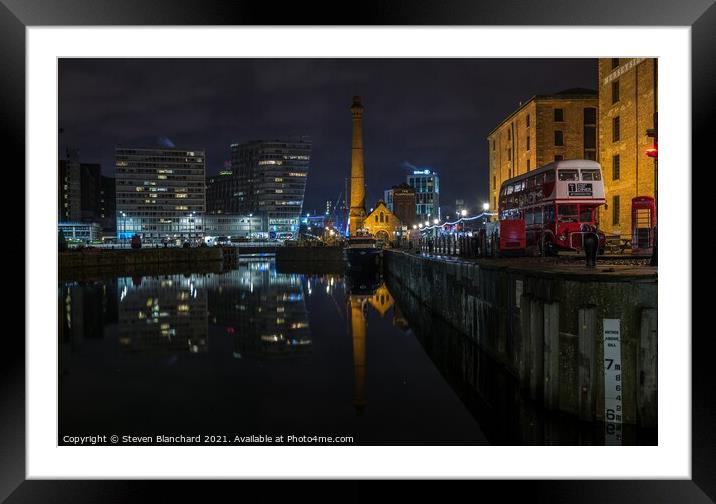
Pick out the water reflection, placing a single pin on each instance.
(166, 314)
(264, 312)
(254, 351)
(250, 351)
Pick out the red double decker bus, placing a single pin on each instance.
(558, 203)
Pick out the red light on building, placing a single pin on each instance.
(652, 152)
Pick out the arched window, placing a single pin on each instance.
(376, 217)
(381, 217)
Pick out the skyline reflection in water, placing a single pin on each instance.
(250, 351)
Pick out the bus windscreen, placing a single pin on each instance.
(568, 175)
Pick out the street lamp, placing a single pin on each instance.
(463, 212)
(485, 207)
(124, 225)
(192, 229)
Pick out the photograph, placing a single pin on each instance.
(420, 242)
(357, 251)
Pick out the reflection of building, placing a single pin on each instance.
(544, 129)
(399, 319)
(166, 314)
(356, 307)
(358, 298)
(426, 184)
(264, 311)
(159, 192)
(83, 312)
(381, 301)
(382, 223)
(627, 108)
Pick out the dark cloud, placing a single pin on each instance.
(427, 112)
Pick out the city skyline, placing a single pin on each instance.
(419, 113)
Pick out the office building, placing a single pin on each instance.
(388, 198)
(107, 208)
(426, 184)
(159, 192)
(233, 225)
(69, 187)
(79, 189)
(81, 232)
(267, 178)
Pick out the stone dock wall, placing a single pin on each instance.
(144, 261)
(546, 327)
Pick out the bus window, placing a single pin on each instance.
(529, 216)
(591, 175)
(568, 175)
(549, 214)
(586, 213)
(509, 189)
(538, 216)
(548, 177)
(530, 182)
(567, 213)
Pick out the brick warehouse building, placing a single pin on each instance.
(546, 128)
(627, 107)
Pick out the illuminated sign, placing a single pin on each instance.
(579, 189)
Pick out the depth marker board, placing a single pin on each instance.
(612, 381)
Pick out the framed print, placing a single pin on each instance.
(418, 244)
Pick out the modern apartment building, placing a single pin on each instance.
(267, 178)
(160, 192)
(427, 193)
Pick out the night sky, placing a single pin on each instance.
(424, 113)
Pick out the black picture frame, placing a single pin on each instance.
(17, 15)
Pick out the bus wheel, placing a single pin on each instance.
(549, 248)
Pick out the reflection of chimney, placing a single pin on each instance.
(357, 211)
(356, 305)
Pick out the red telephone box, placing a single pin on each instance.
(643, 224)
